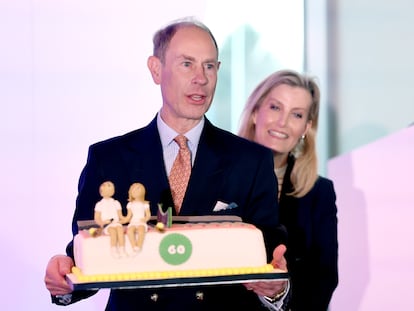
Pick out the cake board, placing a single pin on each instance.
(179, 281)
(78, 283)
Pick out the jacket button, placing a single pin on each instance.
(154, 297)
(199, 295)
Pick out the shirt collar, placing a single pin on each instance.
(167, 134)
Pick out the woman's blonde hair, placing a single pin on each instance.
(305, 170)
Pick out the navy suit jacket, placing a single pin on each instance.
(226, 168)
(312, 247)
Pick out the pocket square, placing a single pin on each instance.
(221, 206)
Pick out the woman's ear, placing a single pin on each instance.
(154, 66)
(254, 114)
(308, 127)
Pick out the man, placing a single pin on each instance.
(225, 168)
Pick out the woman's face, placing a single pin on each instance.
(282, 118)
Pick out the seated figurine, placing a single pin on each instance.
(138, 214)
(108, 215)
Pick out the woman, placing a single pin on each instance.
(282, 114)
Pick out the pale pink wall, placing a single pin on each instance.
(375, 189)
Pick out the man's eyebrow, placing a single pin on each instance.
(191, 58)
(187, 57)
(212, 60)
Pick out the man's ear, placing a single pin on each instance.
(154, 66)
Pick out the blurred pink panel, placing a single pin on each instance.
(375, 189)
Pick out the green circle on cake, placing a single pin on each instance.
(175, 249)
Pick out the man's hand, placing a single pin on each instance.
(279, 260)
(272, 288)
(57, 267)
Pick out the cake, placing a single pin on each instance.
(188, 247)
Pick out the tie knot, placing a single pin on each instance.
(181, 140)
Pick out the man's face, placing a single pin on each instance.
(188, 76)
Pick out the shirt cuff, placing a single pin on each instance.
(62, 300)
(279, 304)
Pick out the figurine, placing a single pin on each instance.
(138, 215)
(108, 215)
(164, 219)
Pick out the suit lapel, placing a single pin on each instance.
(144, 159)
(206, 175)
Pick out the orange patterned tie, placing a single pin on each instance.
(180, 172)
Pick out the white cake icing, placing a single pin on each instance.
(189, 249)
